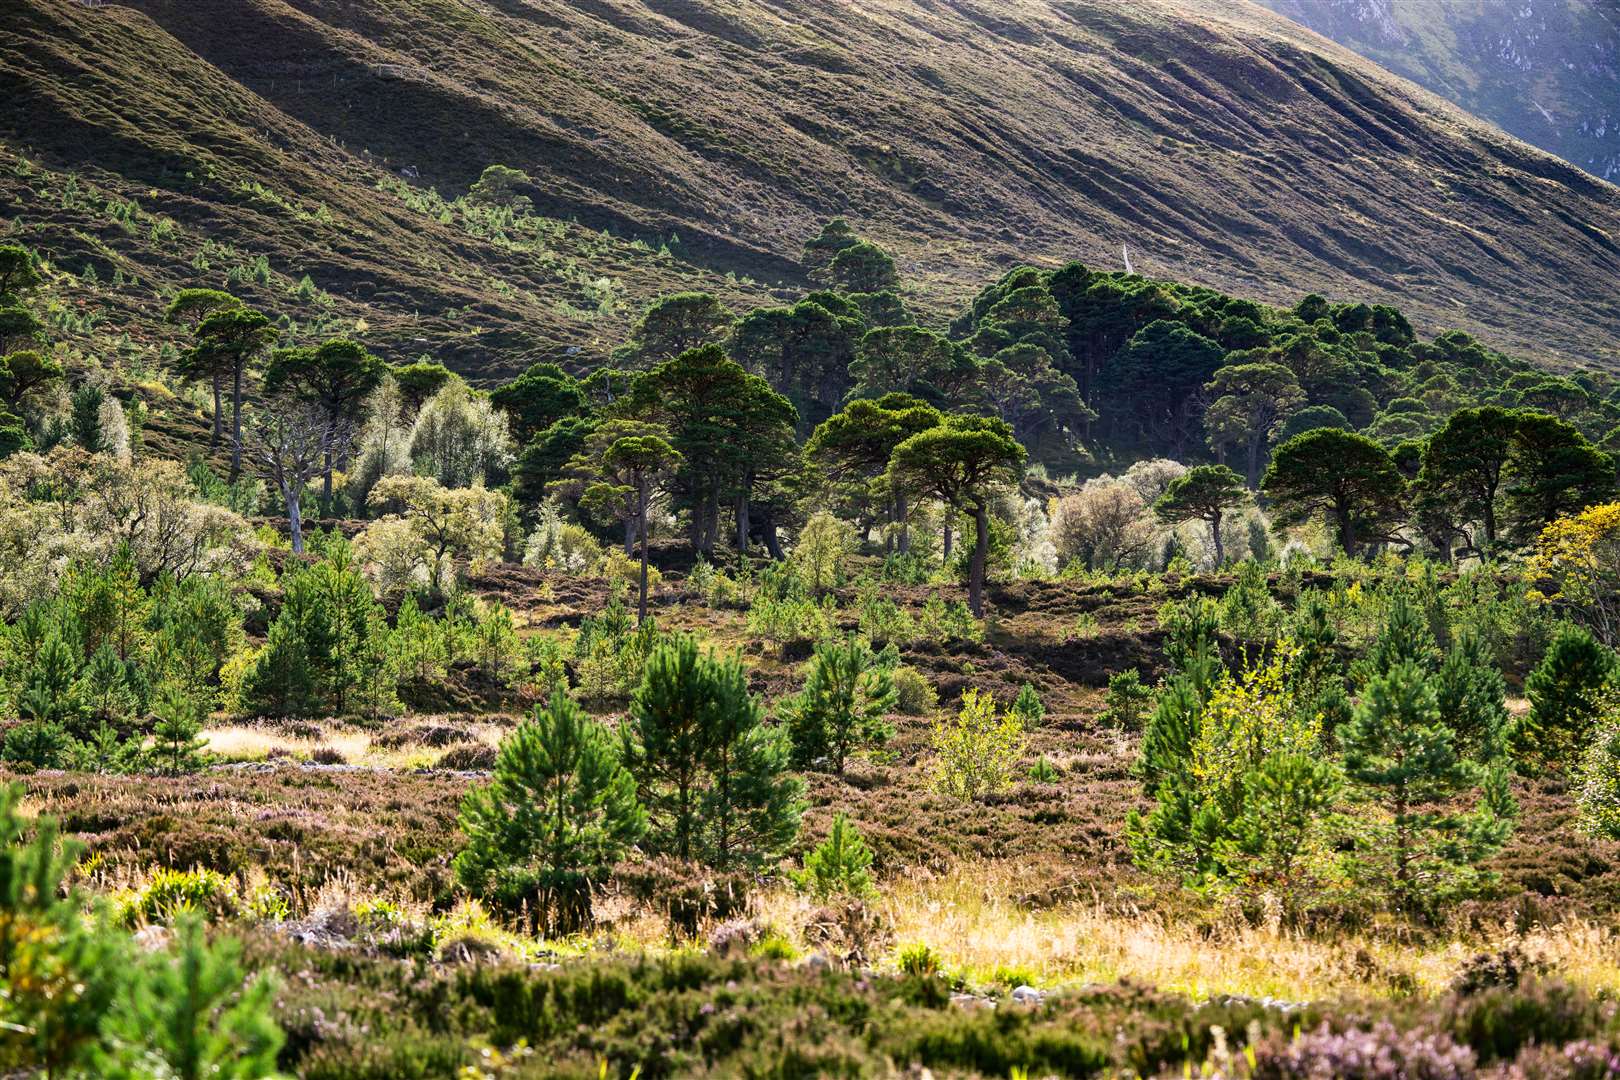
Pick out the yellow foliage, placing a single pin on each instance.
(1579, 558)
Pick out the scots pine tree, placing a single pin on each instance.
(559, 812)
(839, 865)
(176, 748)
(843, 706)
(713, 778)
(1564, 692)
(1403, 760)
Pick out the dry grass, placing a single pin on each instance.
(966, 918)
(355, 747)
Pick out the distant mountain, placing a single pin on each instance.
(1547, 71)
(304, 151)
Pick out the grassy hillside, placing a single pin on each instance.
(677, 144)
(1545, 73)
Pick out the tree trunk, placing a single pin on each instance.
(631, 524)
(947, 555)
(1254, 463)
(743, 523)
(981, 548)
(213, 435)
(326, 482)
(772, 543)
(1215, 537)
(641, 518)
(295, 520)
(900, 516)
(236, 423)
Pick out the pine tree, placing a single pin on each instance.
(279, 682)
(1028, 707)
(714, 780)
(176, 748)
(1564, 692)
(839, 865)
(1279, 834)
(189, 1016)
(1405, 638)
(560, 811)
(60, 970)
(843, 706)
(1472, 696)
(1404, 760)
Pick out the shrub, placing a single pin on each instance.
(1383, 1053)
(975, 751)
(918, 959)
(914, 695)
(838, 865)
(169, 894)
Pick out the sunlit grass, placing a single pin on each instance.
(240, 743)
(966, 918)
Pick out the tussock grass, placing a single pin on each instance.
(969, 921)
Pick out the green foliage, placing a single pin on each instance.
(975, 752)
(191, 1017)
(328, 646)
(1028, 707)
(1043, 771)
(1205, 493)
(559, 812)
(172, 895)
(81, 1001)
(914, 695)
(843, 706)
(176, 747)
(1247, 610)
(824, 544)
(1128, 700)
(712, 776)
(1402, 757)
(838, 866)
(1564, 690)
(1347, 480)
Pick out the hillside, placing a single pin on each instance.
(677, 144)
(1544, 72)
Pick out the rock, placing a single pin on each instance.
(817, 962)
(153, 938)
(971, 1002)
(1028, 995)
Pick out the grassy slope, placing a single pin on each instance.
(1225, 145)
(1543, 72)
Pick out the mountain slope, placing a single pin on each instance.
(1546, 71)
(1222, 143)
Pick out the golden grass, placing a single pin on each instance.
(966, 917)
(242, 743)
